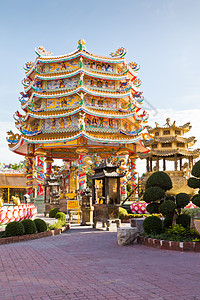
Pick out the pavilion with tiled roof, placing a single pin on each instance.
(169, 144)
(78, 104)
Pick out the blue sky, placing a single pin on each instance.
(161, 35)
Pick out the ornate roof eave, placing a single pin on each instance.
(186, 127)
(74, 91)
(78, 53)
(103, 140)
(174, 139)
(171, 152)
(135, 102)
(88, 72)
(74, 73)
(54, 114)
(73, 55)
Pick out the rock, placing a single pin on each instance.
(126, 235)
(138, 222)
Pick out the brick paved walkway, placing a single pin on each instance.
(88, 264)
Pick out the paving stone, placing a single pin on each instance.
(85, 263)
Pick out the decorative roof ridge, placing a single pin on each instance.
(82, 133)
(80, 88)
(86, 71)
(43, 56)
(170, 125)
(174, 138)
(68, 93)
(54, 114)
(102, 129)
(78, 53)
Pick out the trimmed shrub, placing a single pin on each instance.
(167, 208)
(160, 179)
(61, 216)
(153, 194)
(183, 220)
(153, 208)
(153, 225)
(182, 199)
(194, 183)
(168, 221)
(122, 213)
(196, 200)
(53, 212)
(41, 225)
(14, 229)
(196, 169)
(56, 225)
(29, 226)
(170, 198)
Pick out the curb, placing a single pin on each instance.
(169, 245)
(28, 237)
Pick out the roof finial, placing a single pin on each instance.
(81, 45)
(168, 121)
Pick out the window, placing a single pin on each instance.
(182, 145)
(154, 146)
(177, 132)
(166, 132)
(166, 145)
(156, 133)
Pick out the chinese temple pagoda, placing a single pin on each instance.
(169, 144)
(76, 106)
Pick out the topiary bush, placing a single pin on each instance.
(167, 208)
(168, 221)
(194, 183)
(14, 229)
(182, 199)
(159, 179)
(170, 198)
(196, 169)
(122, 213)
(153, 194)
(196, 200)
(53, 212)
(153, 225)
(153, 208)
(183, 220)
(61, 216)
(29, 226)
(40, 224)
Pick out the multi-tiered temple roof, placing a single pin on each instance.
(169, 141)
(80, 102)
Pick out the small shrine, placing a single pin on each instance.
(109, 193)
(170, 145)
(51, 193)
(106, 201)
(75, 106)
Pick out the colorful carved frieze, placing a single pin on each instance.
(64, 102)
(89, 64)
(92, 121)
(66, 122)
(63, 83)
(101, 102)
(99, 83)
(62, 66)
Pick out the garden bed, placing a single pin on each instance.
(28, 237)
(168, 245)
